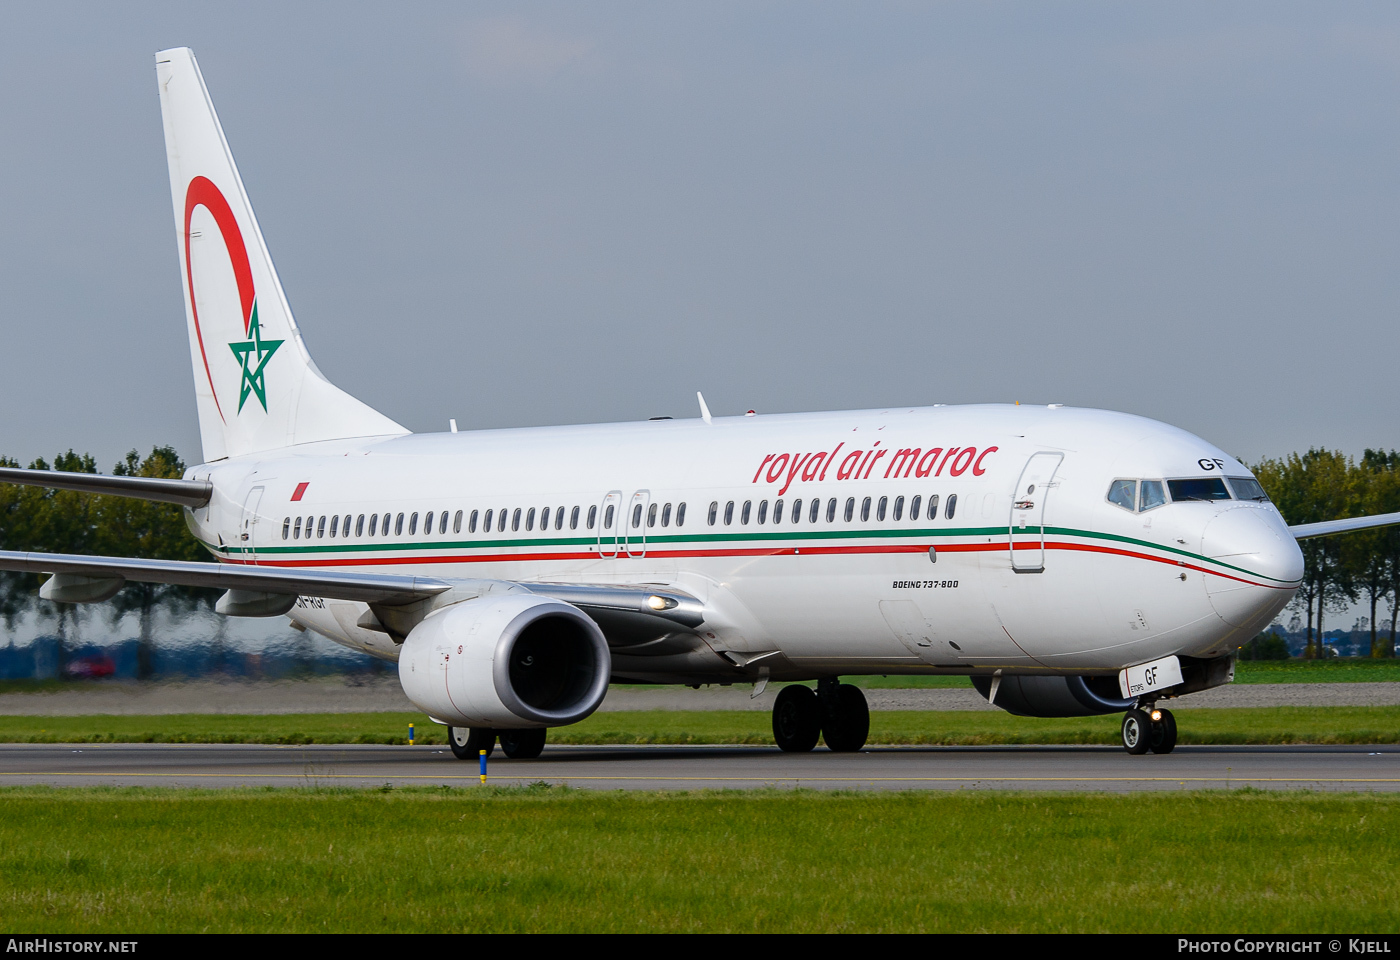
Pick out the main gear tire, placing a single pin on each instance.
(523, 744)
(797, 721)
(846, 729)
(468, 742)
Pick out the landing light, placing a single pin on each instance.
(1156, 716)
(660, 603)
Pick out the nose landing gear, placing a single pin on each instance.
(1151, 729)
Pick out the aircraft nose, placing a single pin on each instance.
(1264, 565)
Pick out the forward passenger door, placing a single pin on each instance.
(1028, 512)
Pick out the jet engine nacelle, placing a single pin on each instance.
(1056, 696)
(512, 662)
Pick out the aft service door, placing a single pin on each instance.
(635, 530)
(248, 528)
(610, 524)
(1028, 512)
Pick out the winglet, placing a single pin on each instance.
(704, 410)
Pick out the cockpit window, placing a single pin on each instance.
(1247, 489)
(1152, 494)
(1201, 488)
(1123, 493)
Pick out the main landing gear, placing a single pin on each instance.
(1150, 729)
(468, 742)
(836, 712)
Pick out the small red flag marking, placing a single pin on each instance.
(301, 488)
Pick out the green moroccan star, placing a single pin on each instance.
(255, 351)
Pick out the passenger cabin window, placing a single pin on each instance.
(816, 510)
(335, 523)
(796, 511)
(880, 508)
(865, 510)
(1198, 488)
(914, 507)
(666, 515)
(1123, 493)
(360, 526)
(608, 518)
(471, 522)
(831, 510)
(933, 507)
(373, 523)
(286, 528)
(729, 513)
(515, 519)
(1153, 495)
(850, 508)
(296, 529)
(952, 506)
(428, 524)
(398, 526)
(413, 525)
(592, 516)
(1245, 488)
(763, 511)
(573, 519)
(530, 519)
(501, 519)
(456, 522)
(321, 528)
(486, 527)
(714, 511)
(680, 514)
(744, 517)
(899, 508)
(636, 516)
(777, 511)
(651, 514)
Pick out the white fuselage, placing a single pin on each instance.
(1090, 587)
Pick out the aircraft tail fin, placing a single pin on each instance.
(256, 385)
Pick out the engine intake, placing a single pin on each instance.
(510, 662)
(1056, 696)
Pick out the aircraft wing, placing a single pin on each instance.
(629, 608)
(1327, 528)
(367, 587)
(187, 493)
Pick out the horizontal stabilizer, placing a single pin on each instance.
(1327, 528)
(187, 493)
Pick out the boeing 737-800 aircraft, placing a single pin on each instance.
(1068, 561)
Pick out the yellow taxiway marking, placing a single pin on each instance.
(413, 776)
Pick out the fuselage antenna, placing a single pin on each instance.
(704, 410)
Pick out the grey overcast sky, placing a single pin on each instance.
(520, 214)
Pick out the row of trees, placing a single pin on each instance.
(1355, 567)
(65, 521)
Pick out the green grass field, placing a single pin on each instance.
(1238, 726)
(545, 859)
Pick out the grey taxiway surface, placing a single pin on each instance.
(1361, 768)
